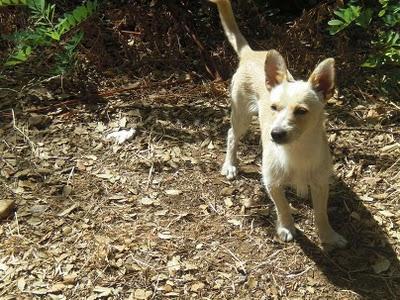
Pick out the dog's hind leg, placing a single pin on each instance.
(240, 121)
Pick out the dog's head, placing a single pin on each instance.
(296, 106)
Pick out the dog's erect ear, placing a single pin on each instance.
(289, 76)
(322, 80)
(275, 69)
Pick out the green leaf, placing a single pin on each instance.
(391, 20)
(42, 4)
(91, 7)
(55, 35)
(384, 3)
(19, 57)
(335, 22)
(12, 2)
(80, 13)
(340, 13)
(365, 17)
(371, 62)
(74, 18)
(36, 5)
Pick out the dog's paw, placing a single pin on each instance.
(229, 170)
(333, 241)
(286, 233)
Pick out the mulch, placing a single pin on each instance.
(152, 218)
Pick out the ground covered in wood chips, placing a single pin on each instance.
(152, 217)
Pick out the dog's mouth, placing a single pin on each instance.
(280, 142)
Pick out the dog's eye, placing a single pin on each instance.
(274, 107)
(299, 111)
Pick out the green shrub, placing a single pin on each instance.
(385, 16)
(45, 31)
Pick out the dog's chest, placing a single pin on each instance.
(295, 167)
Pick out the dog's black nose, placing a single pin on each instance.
(278, 135)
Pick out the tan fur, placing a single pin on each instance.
(291, 114)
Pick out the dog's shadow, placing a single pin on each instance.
(370, 265)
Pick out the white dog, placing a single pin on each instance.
(291, 113)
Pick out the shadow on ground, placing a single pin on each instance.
(353, 268)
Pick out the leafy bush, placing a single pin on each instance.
(45, 31)
(385, 16)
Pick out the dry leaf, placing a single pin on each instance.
(68, 210)
(105, 175)
(381, 265)
(142, 294)
(390, 148)
(167, 288)
(173, 192)
(162, 212)
(218, 284)
(21, 284)
(58, 287)
(34, 221)
(165, 235)
(172, 294)
(235, 222)
(147, 201)
(197, 286)
(122, 122)
(70, 278)
(103, 291)
(190, 266)
(310, 289)
(246, 202)
(174, 265)
(366, 198)
(227, 191)
(355, 216)
(386, 213)
(91, 157)
(67, 189)
(252, 282)
(228, 202)
(80, 165)
(100, 127)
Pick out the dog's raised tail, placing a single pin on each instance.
(235, 37)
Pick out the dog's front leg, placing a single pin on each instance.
(328, 237)
(285, 224)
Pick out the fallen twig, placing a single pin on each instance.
(140, 85)
(236, 258)
(26, 138)
(136, 85)
(47, 108)
(131, 32)
(362, 129)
